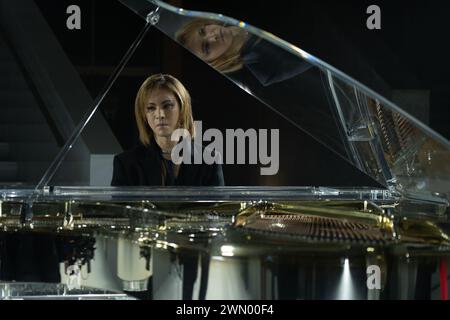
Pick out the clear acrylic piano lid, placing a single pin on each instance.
(372, 133)
(303, 94)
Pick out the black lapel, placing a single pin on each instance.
(188, 174)
(151, 165)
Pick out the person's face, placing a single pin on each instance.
(162, 112)
(210, 41)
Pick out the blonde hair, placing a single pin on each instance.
(168, 82)
(228, 62)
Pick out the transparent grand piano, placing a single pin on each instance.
(66, 234)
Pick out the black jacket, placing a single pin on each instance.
(271, 64)
(142, 166)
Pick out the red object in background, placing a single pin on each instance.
(443, 273)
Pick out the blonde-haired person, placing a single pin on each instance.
(217, 44)
(162, 105)
(230, 48)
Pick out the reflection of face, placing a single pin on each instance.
(162, 112)
(210, 41)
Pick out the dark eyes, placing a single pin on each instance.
(166, 106)
(205, 44)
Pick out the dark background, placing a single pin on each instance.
(410, 52)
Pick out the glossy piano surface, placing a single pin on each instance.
(227, 249)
